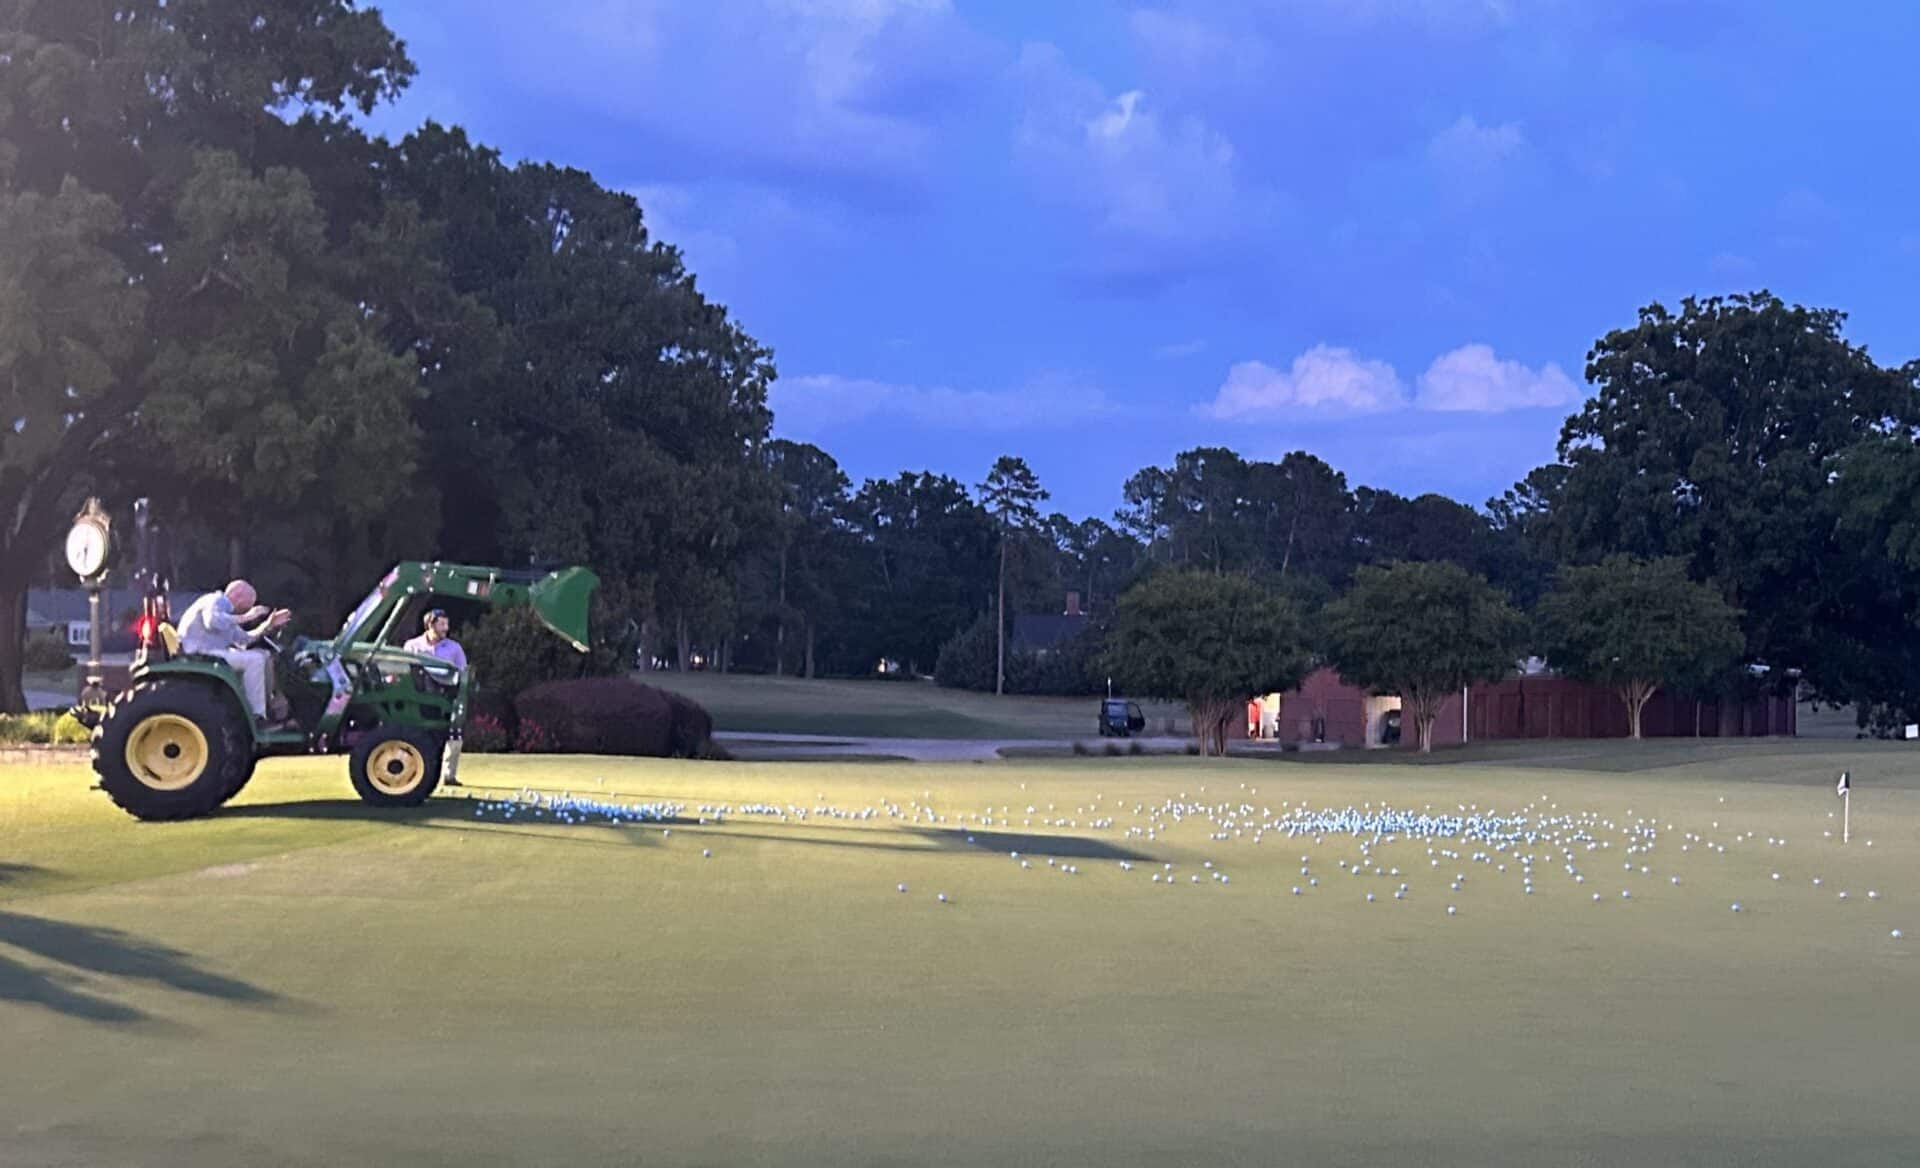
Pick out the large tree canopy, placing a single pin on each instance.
(178, 310)
(1716, 434)
(1634, 625)
(1423, 631)
(1209, 641)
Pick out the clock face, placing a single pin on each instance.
(86, 549)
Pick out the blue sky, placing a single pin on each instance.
(1095, 234)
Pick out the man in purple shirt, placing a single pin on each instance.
(434, 641)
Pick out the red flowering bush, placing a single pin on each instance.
(487, 734)
(533, 738)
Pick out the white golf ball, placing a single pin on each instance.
(943, 898)
(1296, 888)
(1897, 934)
(903, 888)
(1369, 898)
(1872, 895)
(1736, 906)
(1449, 910)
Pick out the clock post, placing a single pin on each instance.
(87, 555)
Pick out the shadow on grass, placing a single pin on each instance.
(1066, 847)
(445, 818)
(12, 873)
(77, 950)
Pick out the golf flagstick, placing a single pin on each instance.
(1844, 789)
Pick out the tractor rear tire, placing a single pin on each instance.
(241, 774)
(395, 766)
(169, 749)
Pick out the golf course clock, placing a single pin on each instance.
(87, 542)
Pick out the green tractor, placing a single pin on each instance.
(179, 741)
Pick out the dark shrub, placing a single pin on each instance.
(45, 655)
(614, 715)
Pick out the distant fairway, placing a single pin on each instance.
(892, 709)
(301, 982)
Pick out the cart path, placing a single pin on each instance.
(749, 746)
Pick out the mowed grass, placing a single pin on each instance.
(301, 981)
(891, 709)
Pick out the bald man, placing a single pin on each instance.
(225, 624)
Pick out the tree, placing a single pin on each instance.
(1716, 434)
(1635, 625)
(615, 415)
(921, 573)
(1011, 494)
(176, 307)
(1874, 610)
(1423, 631)
(1209, 641)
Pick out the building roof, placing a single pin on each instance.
(56, 606)
(1036, 631)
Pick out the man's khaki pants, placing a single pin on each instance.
(251, 665)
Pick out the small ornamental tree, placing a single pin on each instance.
(1423, 631)
(1211, 642)
(1635, 625)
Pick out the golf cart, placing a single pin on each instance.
(1120, 718)
(179, 741)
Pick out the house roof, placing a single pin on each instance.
(1034, 631)
(55, 606)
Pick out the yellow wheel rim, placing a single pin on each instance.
(396, 767)
(167, 752)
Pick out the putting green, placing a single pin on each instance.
(299, 980)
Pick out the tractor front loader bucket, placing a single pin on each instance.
(560, 601)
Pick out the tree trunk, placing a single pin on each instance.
(780, 631)
(1696, 717)
(1000, 625)
(649, 628)
(1636, 693)
(726, 654)
(13, 633)
(683, 652)
(809, 623)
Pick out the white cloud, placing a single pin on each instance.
(1469, 148)
(1140, 173)
(1179, 44)
(825, 87)
(1323, 380)
(1333, 382)
(1472, 379)
(820, 403)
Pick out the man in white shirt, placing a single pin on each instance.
(218, 623)
(434, 640)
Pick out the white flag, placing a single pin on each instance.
(1843, 786)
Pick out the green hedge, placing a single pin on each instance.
(46, 727)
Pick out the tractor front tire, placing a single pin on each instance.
(394, 766)
(169, 749)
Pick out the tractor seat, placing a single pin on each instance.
(170, 641)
